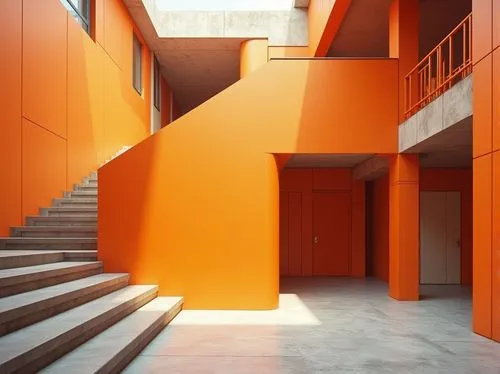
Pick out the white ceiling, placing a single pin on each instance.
(326, 160)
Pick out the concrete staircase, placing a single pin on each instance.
(59, 312)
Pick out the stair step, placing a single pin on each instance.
(35, 346)
(81, 211)
(10, 259)
(83, 255)
(55, 231)
(80, 202)
(90, 180)
(112, 350)
(20, 310)
(85, 187)
(17, 280)
(81, 195)
(49, 243)
(61, 221)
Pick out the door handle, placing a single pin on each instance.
(315, 239)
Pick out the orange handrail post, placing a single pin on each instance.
(433, 75)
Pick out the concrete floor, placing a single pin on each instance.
(328, 325)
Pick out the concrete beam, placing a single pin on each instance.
(371, 169)
(450, 108)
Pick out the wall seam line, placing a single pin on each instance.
(44, 128)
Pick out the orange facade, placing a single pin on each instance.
(70, 103)
(486, 165)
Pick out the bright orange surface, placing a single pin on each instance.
(496, 24)
(482, 101)
(288, 52)
(482, 14)
(455, 180)
(403, 40)
(496, 99)
(205, 206)
(404, 227)
(482, 285)
(10, 131)
(79, 106)
(325, 18)
(253, 55)
(496, 248)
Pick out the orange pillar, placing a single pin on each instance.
(486, 169)
(358, 229)
(403, 40)
(404, 227)
(253, 55)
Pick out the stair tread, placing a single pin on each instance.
(48, 239)
(38, 269)
(95, 353)
(70, 208)
(33, 336)
(26, 252)
(55, 228)
(13, 302)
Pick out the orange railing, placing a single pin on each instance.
(448, 63)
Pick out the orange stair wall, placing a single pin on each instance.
(201, 216)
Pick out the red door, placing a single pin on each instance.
(331, 233)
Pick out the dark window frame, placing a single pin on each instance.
(137, 64)
(83, 19)
(156, 83)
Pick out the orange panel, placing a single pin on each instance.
(296, 180)
(328, 179)
(284, 214)
(44, 64)
(482, 230)
(10, 129)
(482, 11)
(253, 55)
(358, 229)
(294, 234)
(331, 227)
(44, 168)
(380, 230)
(99, 21)
(85, 104)
(116, 31)
(307, 233)
(482, 122)
(496, 99)
(496, 24)
(496, 248)
(288, 52)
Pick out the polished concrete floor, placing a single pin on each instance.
(328, 325)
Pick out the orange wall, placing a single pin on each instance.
(325, 18)
(459, 180)
(486, 168)
(253, 55)
(296, 218)
(165, 104)
(380, 228)
(70, 106)
(203, 221)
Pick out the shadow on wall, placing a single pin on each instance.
(201, 216)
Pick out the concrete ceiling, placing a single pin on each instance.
(450, 148)
(326, 160)
(365, 29)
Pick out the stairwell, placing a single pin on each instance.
(58, 311)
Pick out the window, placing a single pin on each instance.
(137, 65)
(156, 68)
(79, 10)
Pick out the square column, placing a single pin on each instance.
(404, 230)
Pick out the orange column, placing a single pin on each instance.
(486, 170)
(403, 40)
(253, 55)
(358, 224)
(404, 227)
